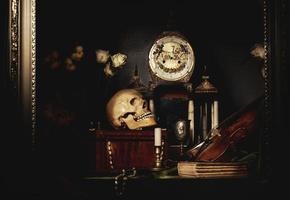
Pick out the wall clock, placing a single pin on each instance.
(171, 58)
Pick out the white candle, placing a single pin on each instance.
(204, 121)
(212, 116)
(151, 105)
(157, 137)
(191, 118)
(215, 114)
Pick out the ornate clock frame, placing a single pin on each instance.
(160, 73)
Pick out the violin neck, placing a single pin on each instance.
(254, 105)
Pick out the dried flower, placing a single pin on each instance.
(263, 72)
(102, 56)
(118, 60)
(53, 60)
(258, 51)
(109, 72)
(58, 115)
(69, 65)
(112, 63)
(78, 54)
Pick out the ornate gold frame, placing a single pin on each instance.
(22, 59)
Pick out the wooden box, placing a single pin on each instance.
(126, 149)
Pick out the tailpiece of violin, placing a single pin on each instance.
(222, 140)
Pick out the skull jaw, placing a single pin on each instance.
(133, 125)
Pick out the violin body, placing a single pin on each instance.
(222, 144)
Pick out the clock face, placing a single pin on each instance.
(171, 58)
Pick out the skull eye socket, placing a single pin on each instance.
(145, 104)
(127, 114)
(133, 100)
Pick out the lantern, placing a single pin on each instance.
(206, 109)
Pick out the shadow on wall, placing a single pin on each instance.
(221, 34)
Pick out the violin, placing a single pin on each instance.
(222, 141)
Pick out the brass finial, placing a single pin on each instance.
(136, 82)
(205, 86)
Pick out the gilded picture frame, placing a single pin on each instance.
(22, 60)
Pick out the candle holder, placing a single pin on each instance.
(158, 156)
(158, 159)
(158, 149)
(206, 103)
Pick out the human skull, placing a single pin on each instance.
(128, 108)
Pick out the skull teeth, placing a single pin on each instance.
(144, 116)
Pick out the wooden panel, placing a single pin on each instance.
(129, 149)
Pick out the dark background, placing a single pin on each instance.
(220, 32)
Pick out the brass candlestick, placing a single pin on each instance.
(157, 157)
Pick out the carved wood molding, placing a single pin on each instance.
(22, 60)
(14, 43)
(276, 44)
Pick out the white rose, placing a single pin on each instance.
(69, 65)
(118, 60)
(258, 51)
(102, 56)
(78, 54)
(108, 70)
(79, 49)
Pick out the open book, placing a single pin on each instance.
(212, 169)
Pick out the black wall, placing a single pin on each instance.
(220, 32)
